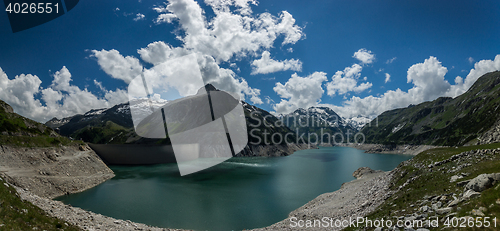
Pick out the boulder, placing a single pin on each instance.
(483, 182)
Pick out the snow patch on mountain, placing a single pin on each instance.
(358, 122)
(95, 112)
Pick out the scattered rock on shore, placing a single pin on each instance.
(360, 172)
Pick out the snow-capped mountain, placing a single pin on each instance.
(358, 122)
(119, 114)
(316, 117)
(320, 124)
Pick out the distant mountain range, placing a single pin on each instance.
(445, 121)
(322, 121)
(115, 126)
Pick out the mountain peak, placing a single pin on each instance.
(6, 107)
(210, 87)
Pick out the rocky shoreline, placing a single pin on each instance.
(408, 149)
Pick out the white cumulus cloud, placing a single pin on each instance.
(480, 68)
(364, 55)
(266, 64)
(299, 92)
(229, 33)
(60, 99)
(159, 52)
(346, 81)
(234, 32)
(428, 80)
(117, 66)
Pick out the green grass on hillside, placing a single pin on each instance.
(16, 214)
(19, 131)
(109, 133)
(37, 141)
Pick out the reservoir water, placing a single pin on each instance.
(241, 193)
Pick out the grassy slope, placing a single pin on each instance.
(16, 214)
(437, 182)
(110, 132)
(16, 130)
(444, 121)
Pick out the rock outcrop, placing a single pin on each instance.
(483, 182)
(491, 136)
(364, 171)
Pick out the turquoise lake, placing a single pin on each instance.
(241, 193)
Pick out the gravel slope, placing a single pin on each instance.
(53, 172)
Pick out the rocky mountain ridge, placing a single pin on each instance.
(115, 126)
(317, 121)
(445, 121)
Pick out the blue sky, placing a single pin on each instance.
(294, 54)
